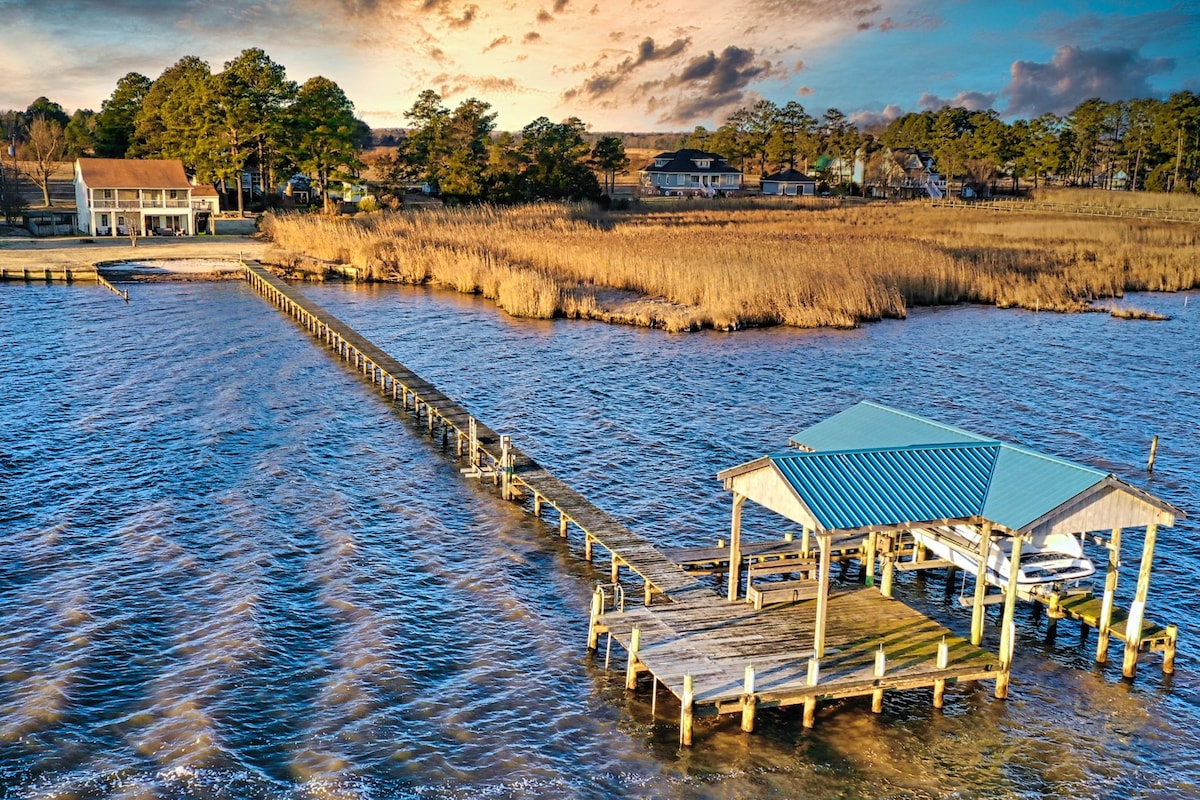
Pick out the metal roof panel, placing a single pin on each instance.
(869, 424)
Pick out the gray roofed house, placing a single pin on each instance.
(690, 172)
(789, 182)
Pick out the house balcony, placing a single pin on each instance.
(143, 205)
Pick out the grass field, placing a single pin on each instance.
(730, 264)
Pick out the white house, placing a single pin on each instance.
(153, 197)
(690, 172)
(791, 182)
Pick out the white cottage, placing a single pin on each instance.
(151, 197)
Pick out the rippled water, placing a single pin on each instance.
(228, 570)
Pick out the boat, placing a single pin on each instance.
(1050, 562)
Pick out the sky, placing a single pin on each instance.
(626, 65)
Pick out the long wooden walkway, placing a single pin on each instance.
(488, 453)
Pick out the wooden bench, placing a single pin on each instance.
(761, 592)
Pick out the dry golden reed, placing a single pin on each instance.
(706, 264)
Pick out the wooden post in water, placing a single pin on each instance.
(1169, 650)
(1137, 609)
(562, 524)
(985, 546)
(880, 669)
(686, 711)
(594, 619)
(635, 644)
(1008, 628)
(939, 685)
(749, 700)
(735, 547)
(805, 551)
(1153, 453)
(614, 567)
(505, 472)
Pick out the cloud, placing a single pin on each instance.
(531, 37)
(497, 42)
(647, 52)
(560, 5)
(971, 101)
(1076, 74)
(468, 16)
(866, 119)
(712, 82)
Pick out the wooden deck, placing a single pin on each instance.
(487, 452)
(713, 641)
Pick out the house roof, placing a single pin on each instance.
(789, 176)
(131, 173)
(685, 161)
(204, 190)
(872, 467)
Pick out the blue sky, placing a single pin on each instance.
(634, 65)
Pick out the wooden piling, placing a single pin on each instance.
(939, 685)
(1153, 454)
(985, 544)
(1008, 627)
(686, 711)
(1137, 609)
(749, 700)
(735, 545)
(631, 671)
(880, 670)
(868, 561)
(594, 619)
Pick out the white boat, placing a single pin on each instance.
(1049, 562)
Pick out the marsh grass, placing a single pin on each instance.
(727, 265)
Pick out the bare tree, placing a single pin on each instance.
(43, 153)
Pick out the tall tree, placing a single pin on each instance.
(556, 161)
(43, 153)
(251, 94)
(608, 156)
(81, 133)
(116, 122)
(151, 137)
(324, 134)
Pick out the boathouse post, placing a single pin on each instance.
(868, 559)
(735, 547)
(1111, 577)
(805, 550)
(822, 596)
(635, 644)
(985, 546)
(749, 700)
(889, 566)
(1008, 627)
(1137, 609)
(505, 470)
(686, 703)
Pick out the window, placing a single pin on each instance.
(704, 163)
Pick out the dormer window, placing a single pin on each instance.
(703, 163)
(660, 162)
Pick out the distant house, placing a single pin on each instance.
(116, 195)
(790, 182)
(690, 172)
(914, 171)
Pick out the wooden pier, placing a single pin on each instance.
(794, 640)
(488, 454)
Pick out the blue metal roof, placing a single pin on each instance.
(873, 465)
(870, 424)
(861, 488)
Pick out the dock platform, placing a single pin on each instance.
(710, 643)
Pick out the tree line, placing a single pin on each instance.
(1154, 143)
(249, 118)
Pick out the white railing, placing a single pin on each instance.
(138, 204)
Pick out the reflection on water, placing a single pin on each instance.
(227, 570)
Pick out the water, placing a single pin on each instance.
(228, 570)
